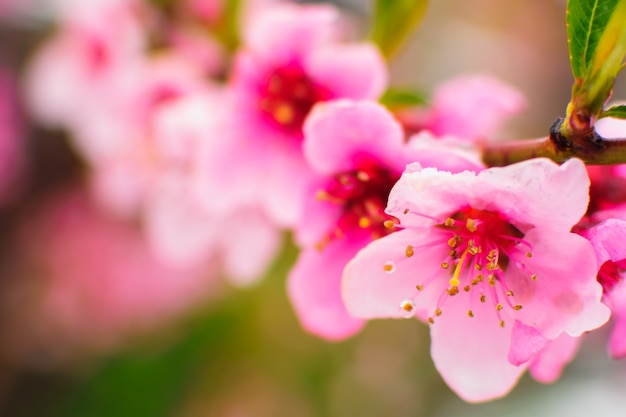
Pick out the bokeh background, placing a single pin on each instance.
(237, 352)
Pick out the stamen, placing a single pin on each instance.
(409, 251)
(389, 267)
(408, 307)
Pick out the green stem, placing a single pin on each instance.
(593, 150)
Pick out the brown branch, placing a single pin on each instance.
(591, 149)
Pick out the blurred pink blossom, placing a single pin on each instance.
(484, 257)
(471, 106)
(99, 282)
(290, 59)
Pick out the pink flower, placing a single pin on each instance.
(490, 261)
(471, 107)
(291, 59)
(98, 281)
(358, 152)
(183, 227)
(608, 238)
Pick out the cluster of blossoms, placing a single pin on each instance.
(217, 152)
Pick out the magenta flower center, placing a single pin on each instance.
(610, 274)
(362, 194)
(480, 245)
(288, 97)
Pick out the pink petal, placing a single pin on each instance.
(356, 71)
(335, 132)
(283, 32)
(536, 190)
(617, 339)
(314, 287)
(471, 354)
(548, 365)
(526, 341)
(371, 292)
(474, 106)
(565, 296)
(608, 240)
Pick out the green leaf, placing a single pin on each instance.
(586, 21)
(596, 31)
(401, 98)
(619, 112)
(394, 20)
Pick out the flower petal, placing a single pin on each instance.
(314, 287)
(548, 365)
(565, 295)
(335, 132)
(371, 292)
(356, 71)
(471, 354)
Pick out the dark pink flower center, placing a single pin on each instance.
(610, 274)
(362, 194)
(288, 97)
(481, 245)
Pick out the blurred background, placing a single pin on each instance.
(92, 324)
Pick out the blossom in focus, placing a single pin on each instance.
(290, 59)
(489, 260)
(470, 107)
(357, 151)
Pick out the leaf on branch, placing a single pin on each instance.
(618, 112)
(596, 32)
(401, 98)
(394, 20)
(586, 22)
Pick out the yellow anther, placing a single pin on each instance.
(499, 307)
(533, 277)
(389, 224)
(470, 313)
(438, 312)
(452, 242)
(407, 306)
(502, 323)
(364, 222)
(419, 287)
(509, 293)
(529, 254)
(483, 298)
(478, 267)
(452, 253)
(471, 225)
(362, 176)
(517, 307)
(492, 279)
(452, 291)
(467, 288)
(445, 265)
(449, 222)
(283, 113)
(388, 267)
(409, 251)
(406, 210)
(431, 320)
(491, 266)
